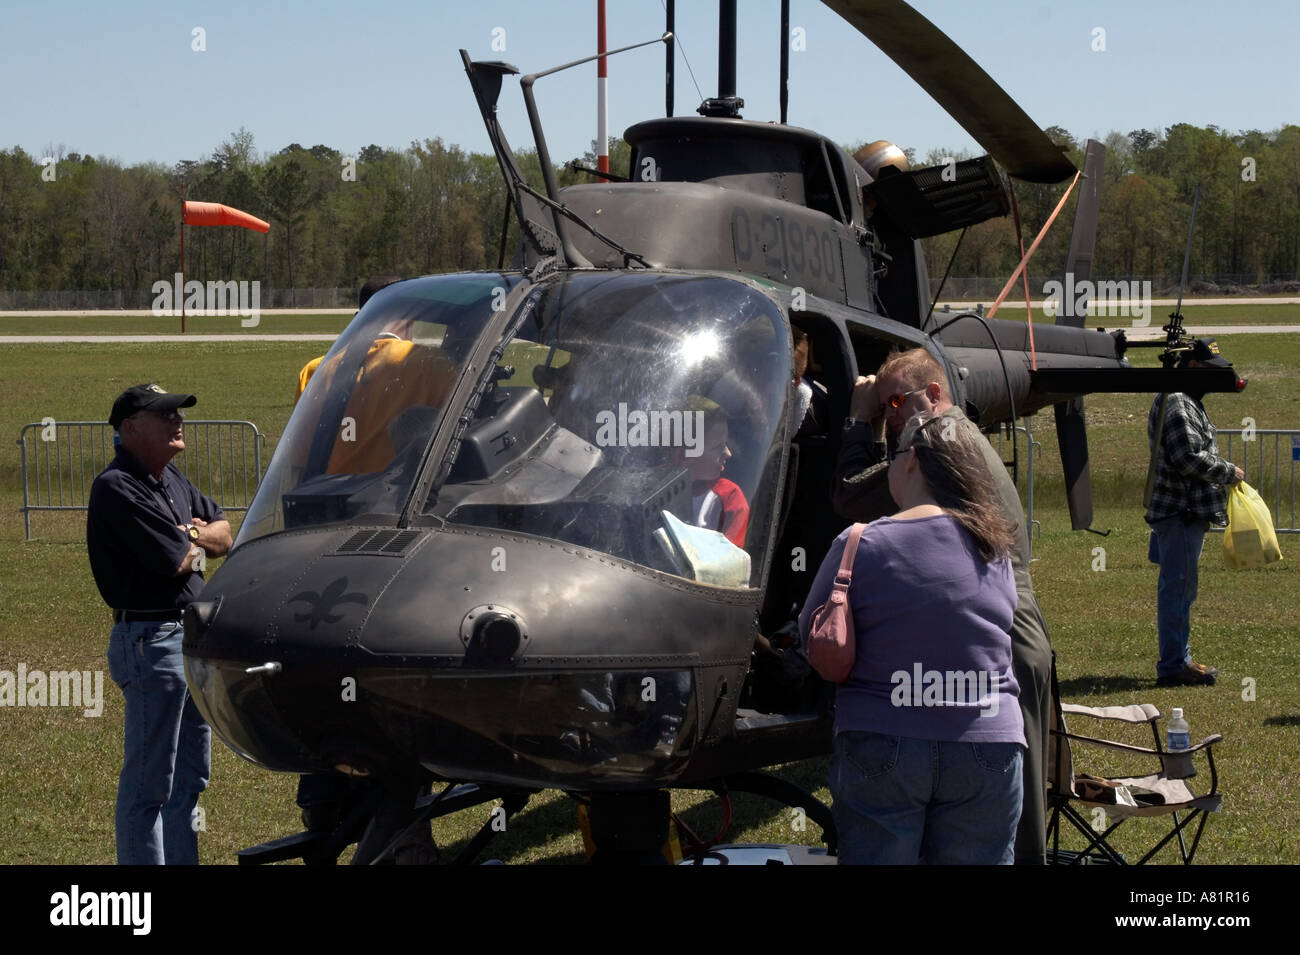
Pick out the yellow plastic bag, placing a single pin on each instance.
(1250, 540)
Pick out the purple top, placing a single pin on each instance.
(932, 621)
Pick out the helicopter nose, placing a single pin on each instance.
(199, 615)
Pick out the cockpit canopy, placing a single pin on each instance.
(638, 415)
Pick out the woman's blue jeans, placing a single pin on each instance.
(903, 801)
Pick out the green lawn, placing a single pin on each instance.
(1194, 315)
(59, 769)
(270, 323)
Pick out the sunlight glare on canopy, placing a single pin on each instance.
(698, 347)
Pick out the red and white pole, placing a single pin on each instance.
(602, 104)
(182, 278)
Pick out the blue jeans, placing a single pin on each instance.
(900, 800)
(165, 758)
(1176, 547)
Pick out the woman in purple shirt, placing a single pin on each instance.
(928, 731)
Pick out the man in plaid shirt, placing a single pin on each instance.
(1186, 498)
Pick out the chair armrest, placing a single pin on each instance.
(1203, 744)
(1110, 744)
(1146, 751)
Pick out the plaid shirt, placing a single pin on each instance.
(1189, 472)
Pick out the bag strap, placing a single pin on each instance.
(845, 575)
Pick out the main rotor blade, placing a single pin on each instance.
(1083, 237)
(960, 86)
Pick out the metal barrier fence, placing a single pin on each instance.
(60, 460)
(1270, 467)
(1272, 475)
(1035, 448)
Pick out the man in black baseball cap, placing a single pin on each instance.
(146, 398)
(1204, 353)
(148, 533)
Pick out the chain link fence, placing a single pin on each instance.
(986, 288)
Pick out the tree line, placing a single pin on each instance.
(72, 221)
(1247, 216)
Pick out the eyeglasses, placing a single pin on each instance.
(173, 415)
(896, 401)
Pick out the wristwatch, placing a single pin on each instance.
(191, 532)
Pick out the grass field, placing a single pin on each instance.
(58, 769)
(1194, 316)
(271, 323)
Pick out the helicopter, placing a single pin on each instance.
(476, 560)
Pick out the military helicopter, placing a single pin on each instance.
(476, 560)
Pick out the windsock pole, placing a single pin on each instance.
(602, 103)
(181, 291)
(211, 213)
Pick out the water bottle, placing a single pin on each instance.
(1180, 734)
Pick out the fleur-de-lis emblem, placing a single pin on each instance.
(323, 604)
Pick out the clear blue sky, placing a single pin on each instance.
(121, 80)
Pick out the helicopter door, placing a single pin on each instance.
(820, 403)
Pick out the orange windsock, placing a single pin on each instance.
(214, 213)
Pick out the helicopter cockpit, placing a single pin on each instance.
(632, 415)
(354, 443)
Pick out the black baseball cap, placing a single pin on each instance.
(1204, 350)
(146, 398)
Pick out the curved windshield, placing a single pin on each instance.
(638, 415)
(360, 427)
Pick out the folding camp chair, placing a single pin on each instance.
(1076, 798)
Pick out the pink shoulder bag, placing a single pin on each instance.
(831, 647)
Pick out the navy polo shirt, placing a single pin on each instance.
(133, 539)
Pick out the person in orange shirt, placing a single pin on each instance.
(367, 290)
(397, 374)
(716, 503)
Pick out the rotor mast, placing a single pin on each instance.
(726, 103)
